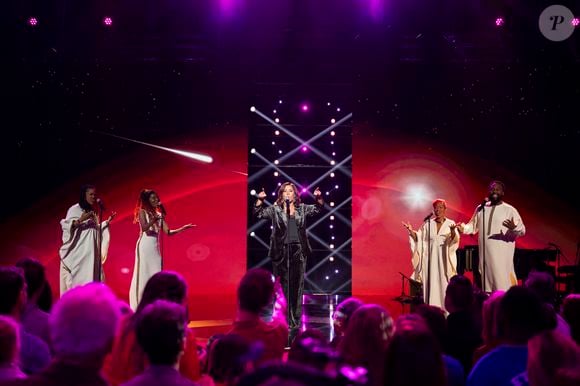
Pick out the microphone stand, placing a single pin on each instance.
(98, 263)
(288, 265)
(483, 237)
(428, 281)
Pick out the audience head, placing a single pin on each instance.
(542, 284)
(12, 291)
(342, 314)
(9, 341)
(549, 352)
(83, 324)
(160, 331)
(310, 348)
(413, 345)
(230, 357)
(490, 330)
(255, 291)
(434, 318)
(35, 276)
(366, 338)
(164, 285)
(571, 313)
(520, 316)
(459, 294)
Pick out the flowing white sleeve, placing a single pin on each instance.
(471, 227)
(520, 228)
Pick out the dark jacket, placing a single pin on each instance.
(279, 219)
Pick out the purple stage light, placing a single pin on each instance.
(303, 190)
(107, 21)
(575, 22)
(32, 21)
(499, 21)
(304, 149)
(304, 107)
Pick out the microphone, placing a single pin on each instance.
(101, 204)
(482, 205)
(428, 216)
(162, 208)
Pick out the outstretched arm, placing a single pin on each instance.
(259, 210)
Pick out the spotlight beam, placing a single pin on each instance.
(331, 212)
(336, 290)
(335, 253)
(194, 156)
(301, 142)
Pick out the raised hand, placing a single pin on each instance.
(509, 224)
(111, 217)
(408, 226)
(187, 226)
(317, 193)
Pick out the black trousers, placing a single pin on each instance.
(291, 272)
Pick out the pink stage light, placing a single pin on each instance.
(107, 21)
(304, 149)
(304, 107)
(575, 22)
(32, 21)
(499, 22)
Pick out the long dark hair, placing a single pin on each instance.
(143, 203)
(83, 198)
(280, 199)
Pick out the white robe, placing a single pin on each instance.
(79, 247)
(500, 244)
(443, 259)
(147, 262)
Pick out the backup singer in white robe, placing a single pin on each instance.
(503, 225)
(148, 260)
(82, 237)
(440, 237)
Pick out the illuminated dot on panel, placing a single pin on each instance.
(273, 193)
(335, 186)
(252, 109)
(333, 121)
(332, 162)
(333, 133)
(277, 120)
(273, 143)
(331, 203)
(336, 271)
(331, 226)
(332, 174)
(274, 111)
(277, 132)
(331, 258)
(252, 234)
(331, 217)
(252, 150)
(279, 151)
(327, 278)
(332, 237)
(276, 162)
(333, 154)
(275, 174)
(253, 192)
(280, 101)
(328, 103)
(338, 109)
(327, 193)
(279, 184)
(332, 142)
(271, 226)
(331, 246)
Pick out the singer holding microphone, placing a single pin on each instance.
(499, 225)
(85, 241)
(433, 247)
(150, 215)
(289, 245)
